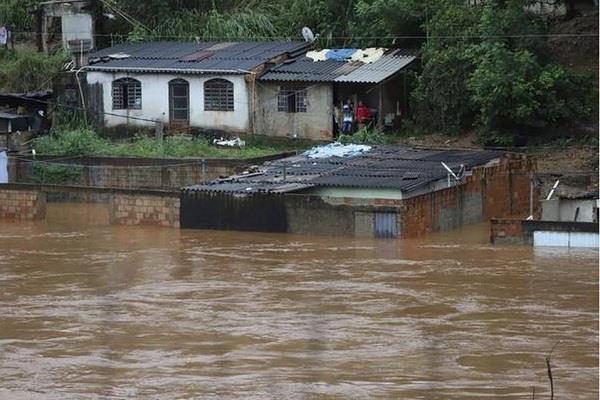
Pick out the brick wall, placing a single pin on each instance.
(22, 204)
(508, 231)
(156, 210)
(492, 192)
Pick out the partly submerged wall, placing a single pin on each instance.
(126, 206)
(491, 192)
(18, 204)
(543, 233)
(496, 191)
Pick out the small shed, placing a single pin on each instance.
(60, 21)
(303, 97)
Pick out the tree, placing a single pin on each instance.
(487, 71)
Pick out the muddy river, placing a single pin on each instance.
(90, 311)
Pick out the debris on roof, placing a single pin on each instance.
(382, 167)
(337, 150)
(372, 65)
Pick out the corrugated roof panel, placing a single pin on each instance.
(155, 56)
(306, 70)
(378, 71)
(390, 167)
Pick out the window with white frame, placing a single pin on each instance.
(127, 94)
(218, 95)
(292, 100)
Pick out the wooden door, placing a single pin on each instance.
(179, 104)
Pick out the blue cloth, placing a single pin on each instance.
(3, 167)
(340, 54)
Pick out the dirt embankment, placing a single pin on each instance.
(573, 41)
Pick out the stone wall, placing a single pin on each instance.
(25, 205)
(156, 210)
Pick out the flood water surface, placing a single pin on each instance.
(95, 311)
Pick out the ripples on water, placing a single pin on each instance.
(115, 313)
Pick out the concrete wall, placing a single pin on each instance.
(291, 213)
(543, 233)
(22, 204)
(316, 123)
(131, 173)
(154, 210)
(155, 101)
(565, 210)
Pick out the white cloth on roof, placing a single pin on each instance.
(320, 55)
(369, 55)
(337, 150)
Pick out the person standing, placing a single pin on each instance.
(363, 114)
(347, 119)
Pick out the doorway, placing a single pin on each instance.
(179, 104)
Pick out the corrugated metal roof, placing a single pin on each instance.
(378, 71)
(384, 167)
(305, 69)
(191, 57)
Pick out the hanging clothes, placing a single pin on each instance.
(4, 36)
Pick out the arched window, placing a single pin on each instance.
(127, 94)
(218, 95)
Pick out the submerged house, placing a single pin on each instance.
(302, 97)
(206, 85)
(381, 191)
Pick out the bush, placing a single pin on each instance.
(365, 136)
(23, 72)
(71, 142)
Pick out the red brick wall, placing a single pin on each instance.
(504, 189)
(508, 231)
(22, 205)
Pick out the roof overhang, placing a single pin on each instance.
(187, 71)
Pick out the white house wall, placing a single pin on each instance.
(155, 101)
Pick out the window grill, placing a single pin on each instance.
(127, 94)
(218, 95)
(292, 100)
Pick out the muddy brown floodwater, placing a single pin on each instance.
(91, 311)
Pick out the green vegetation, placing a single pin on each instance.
(483, 68)
(26, 71)
(366, 136)
(56, 174)
(85, 142)
(16, 14)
